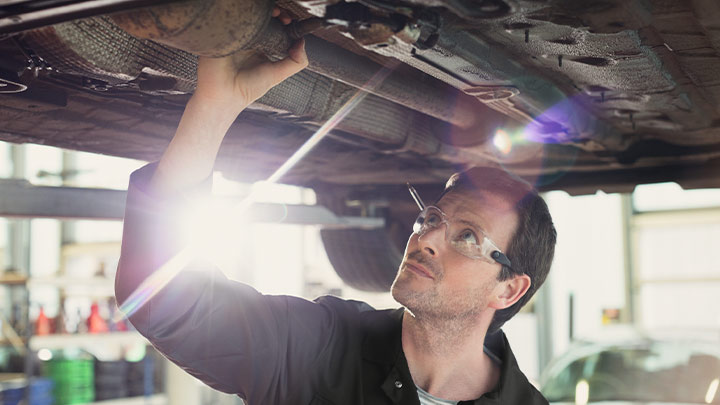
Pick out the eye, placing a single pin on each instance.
(467, 236)
(432, 219)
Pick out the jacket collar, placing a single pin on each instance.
(383, 339)
(383, 345)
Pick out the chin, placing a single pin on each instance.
(408, 293)
(400, 288)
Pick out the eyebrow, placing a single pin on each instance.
(465, 221)
(473, 225)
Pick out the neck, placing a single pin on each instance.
(446, 356)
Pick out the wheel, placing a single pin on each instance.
(364, 259)
(368, 259)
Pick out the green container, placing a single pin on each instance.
(74, 380)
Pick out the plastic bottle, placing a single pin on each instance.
(42, 324)
(95, 322)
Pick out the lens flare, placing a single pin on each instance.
(555, 130)
(162, 276)
(154, 283)
(502, 141)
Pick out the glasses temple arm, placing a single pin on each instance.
(416, 196)
(501, 258)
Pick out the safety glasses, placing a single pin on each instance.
(466, 238)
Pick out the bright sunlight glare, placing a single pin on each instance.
(214, 228)
(161, 277)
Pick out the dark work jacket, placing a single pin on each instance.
(272, 349)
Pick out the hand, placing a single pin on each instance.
(237, 80)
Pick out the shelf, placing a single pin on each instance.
(91, 248)
(72, 282)
(12, 279)
(6, 377)
(86, 339)
(74, 286)
(159, 399)
(8, 342)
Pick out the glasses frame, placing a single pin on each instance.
(496, 255)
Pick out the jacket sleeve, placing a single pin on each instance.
(225, 333)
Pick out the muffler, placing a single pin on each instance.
(224, 27)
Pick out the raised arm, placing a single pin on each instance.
(224, 89)
(223, 332)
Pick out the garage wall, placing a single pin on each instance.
(589, 263)
(674, 263)
(677, 260)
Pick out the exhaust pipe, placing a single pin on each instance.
(223, 27)
(207, 28)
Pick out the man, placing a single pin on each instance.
(455, 282)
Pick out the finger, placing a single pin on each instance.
(284, 17)
(275, 12)
(297, 52)
(295, 62)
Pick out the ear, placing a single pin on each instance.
(510, 291)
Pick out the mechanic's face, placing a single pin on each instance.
(434, 280)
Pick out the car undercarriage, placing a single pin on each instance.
(571, 95)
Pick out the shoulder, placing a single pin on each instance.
(357, 308)
(343, 305)
(534, 396)
(358, 311)
(514, 386)
(518, 389)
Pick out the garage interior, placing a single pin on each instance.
(610, 107)
(627, 266)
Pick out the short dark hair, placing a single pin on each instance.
(532, 247)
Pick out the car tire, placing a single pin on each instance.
(364, 259)
(368, 259)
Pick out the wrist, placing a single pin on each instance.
(220, 112)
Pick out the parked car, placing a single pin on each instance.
(635, 372)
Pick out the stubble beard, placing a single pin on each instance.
(429, 304)
(414, 299)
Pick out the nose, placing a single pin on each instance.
(432, 239)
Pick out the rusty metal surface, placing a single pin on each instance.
(197, 27)
(80, 48)
(403, 86)
(201, 27)
(25, 15)
(629, 91)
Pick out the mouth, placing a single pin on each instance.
(418, 270)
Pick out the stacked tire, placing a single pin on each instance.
(140, 377)
(110, 380)
(121, 379)
(73, 378)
